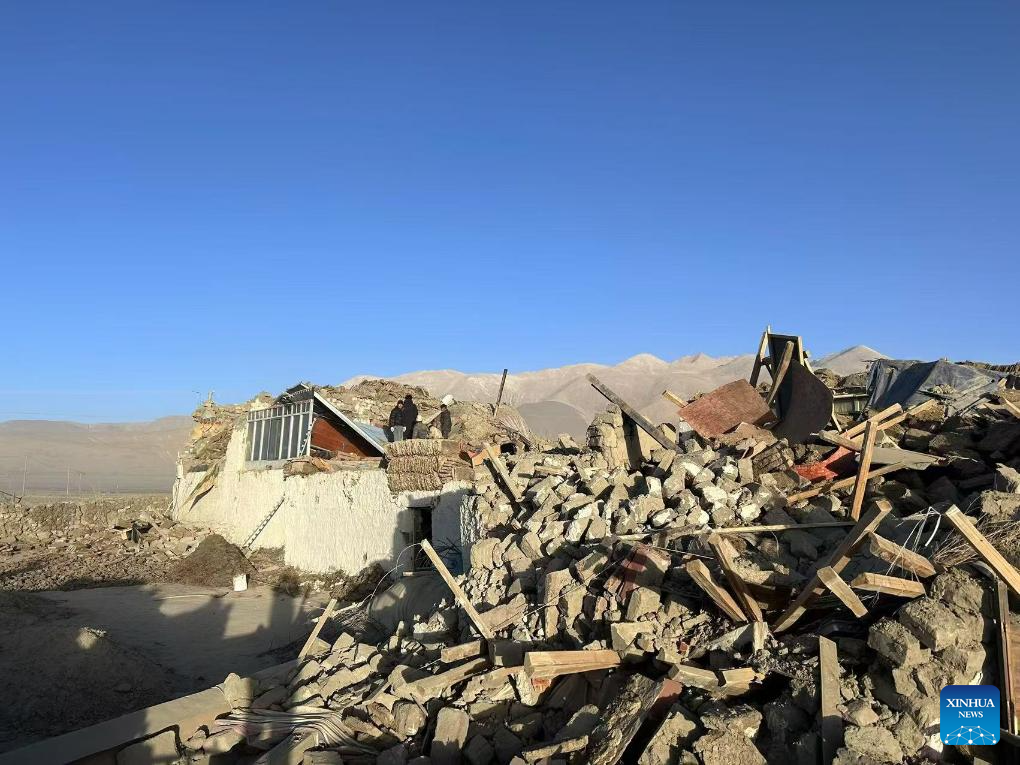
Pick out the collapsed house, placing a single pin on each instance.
(712, 594)
(302, 472)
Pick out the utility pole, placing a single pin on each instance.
(24, 477)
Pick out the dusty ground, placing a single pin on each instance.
(84, 656)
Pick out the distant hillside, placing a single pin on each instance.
(560, 399)
(140, 457)
(107, 457)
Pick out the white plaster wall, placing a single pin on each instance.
(347, 519)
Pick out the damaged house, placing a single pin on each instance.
(299, 473)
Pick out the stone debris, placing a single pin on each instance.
(589, 549)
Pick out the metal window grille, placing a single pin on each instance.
(280, 432)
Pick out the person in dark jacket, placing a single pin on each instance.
(395, 426)
(445, 421)
(410, 416)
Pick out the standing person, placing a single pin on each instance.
(410, 416)
(395, 426)
(445, 421)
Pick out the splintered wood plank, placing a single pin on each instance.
(480, 624)
(698, 571)
(868, 448)
(832, 721)
(725, 554)
(1013, 408)
(843, 483)
(895, 555)
(759, 357)
(549, 664)
(779, 372)
(759, 634)
(639, 419)
(319, 624)
(620, 720)
(673, 398)
(504, 476)
(888, 585)
(857, 429)
(984, 548)
(837, 561)
(835, 584)
(469, 650)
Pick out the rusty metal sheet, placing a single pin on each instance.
(808, 407)
(726, 407)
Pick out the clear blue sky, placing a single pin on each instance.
(239, 195)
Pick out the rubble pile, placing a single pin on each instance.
(72, 545)
(475, 423)
(734, 599)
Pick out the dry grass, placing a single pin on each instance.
(1003, 535)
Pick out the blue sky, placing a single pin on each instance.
(239, 195)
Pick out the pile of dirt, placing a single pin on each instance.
(214, 563)
(55, 666)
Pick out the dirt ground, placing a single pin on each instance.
(83, 656)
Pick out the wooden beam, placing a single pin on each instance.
(673, 398)
(547, 665)
(1013, 408)
(1003, 619)
(639, 419)
(896, 555)
(458, 593)
(870, 434)
(759, 634)
(429, 687)
(984, 548)
(764, 529)
(725, 554)
(837, 561)
(857, 429)
(759, 357)
(499, 396)
(843, 483)
(503, 474)
(620, 720)
(835, 584)
(779, 372)
(319, 624)
(837, 439)
(832, 721)
(469, 650)
(698, 571)
(888, 585)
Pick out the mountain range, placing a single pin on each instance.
(139, 457)
(560, 400)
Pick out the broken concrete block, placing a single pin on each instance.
(934, 624)
(1007, 480)
(408, 717)
(894, 643)
(875, 742)
(725, 748)
(673, 735)
(643, 600)
(451, 735)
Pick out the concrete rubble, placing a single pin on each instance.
(609, 611)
